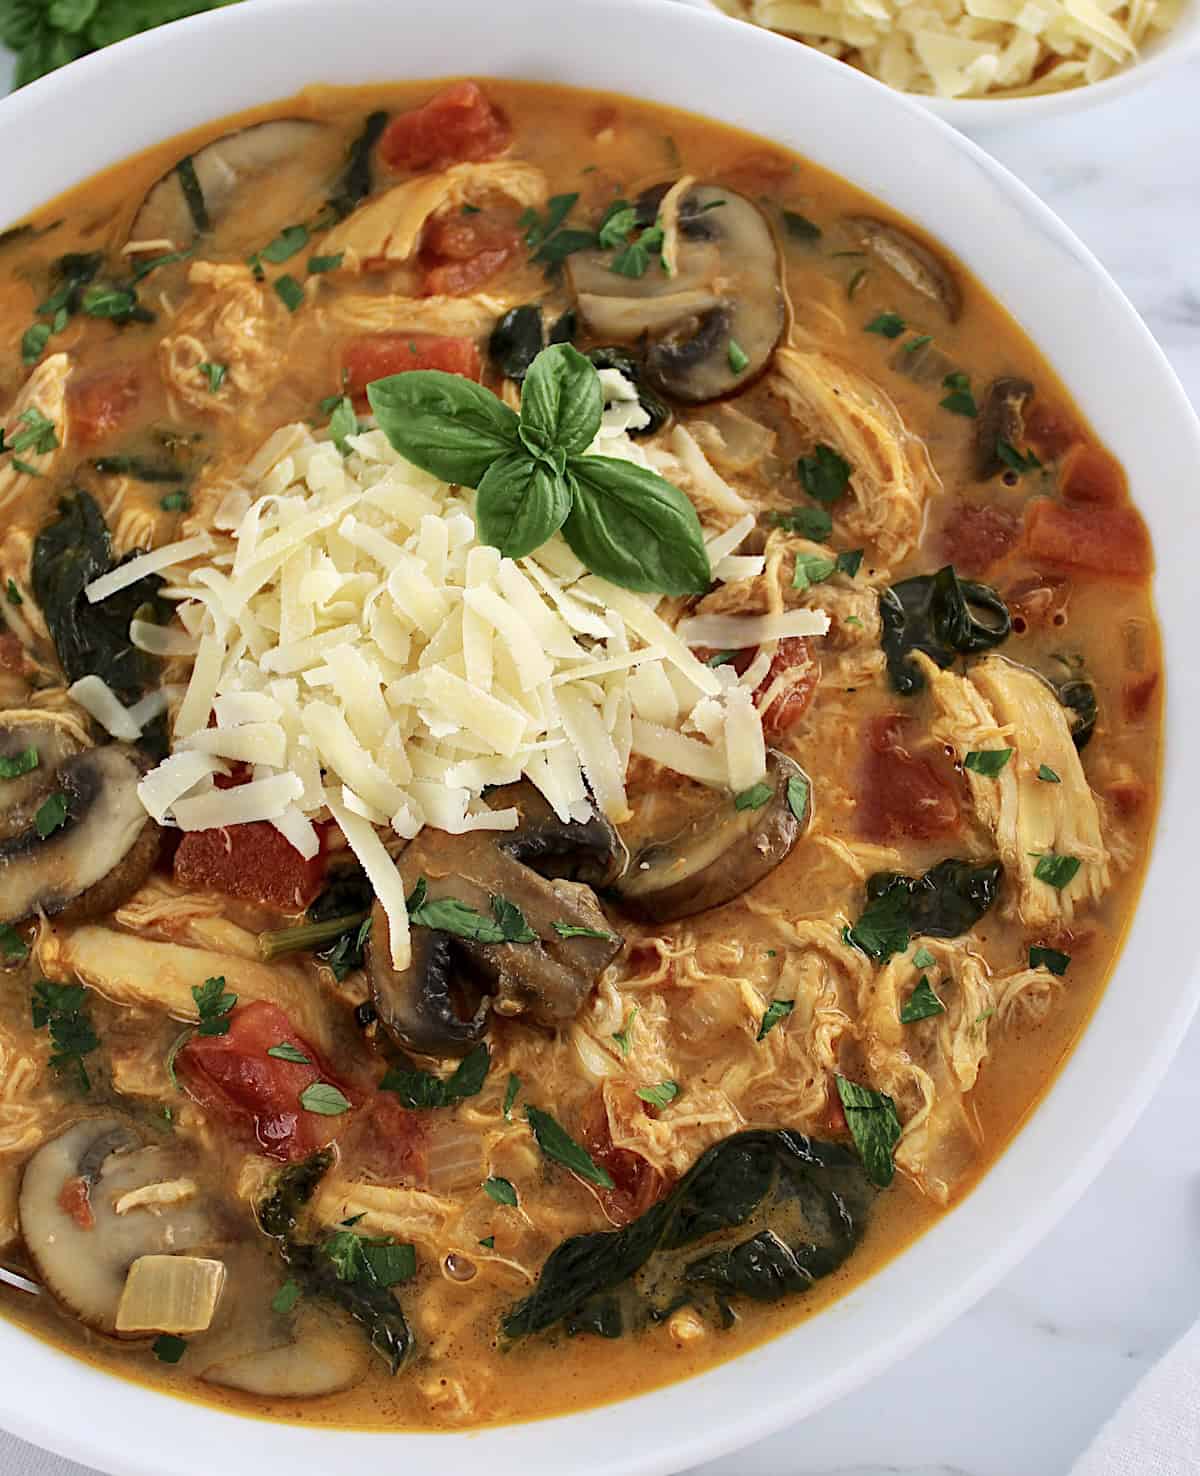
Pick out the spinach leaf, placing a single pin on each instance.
(947, 901)
(419, 1090)
(825, 474)
(1049, 958)
(801, 1204)
(874, 1126)
(371, 1305)
(810, 522)
(934, 613)
(67, 555)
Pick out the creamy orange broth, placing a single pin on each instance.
(692, 991)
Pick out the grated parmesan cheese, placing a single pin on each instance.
(372, 661)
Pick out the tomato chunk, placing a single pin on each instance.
(1091, 475)
(459, 252)
(252, 861)
(1050, 431)
(458, 125)
(1102, 540)
(74, 1199)
(388, 1142)
(793, 674)
(902, 796)
(365, 360)
(976, 535)
(260, 1094)
(636, 1183)
(99, 404)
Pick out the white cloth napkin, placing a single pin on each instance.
(1156, 1432)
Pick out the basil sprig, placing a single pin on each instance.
(532, 477)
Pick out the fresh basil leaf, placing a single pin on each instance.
(753, 798)
(285, 1051)
(569, 930)
(921, 1004)
(556, 1143)
(561, 400)
(342, 423)
(323, 1098)
(1047, 775)
(521, 504)
(987, 761)
(777, 1010)
(286, 1297)
(501, 1191)
(447, 425)
(659, 1096)
(14, 765)
(874, 1126)
(510, 1094)
(634, 529)
(1057, 871)
(1049, 958)
(825, 474)
(887, 325)
(798, 794)
(51, 815)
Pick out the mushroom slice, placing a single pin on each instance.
(206, 186)
(587, 851)
(1001, 418)
(53, 740)
(714, 322)
(721, 852)
(547, 978)
(913, 262)
(96, 858)
(80, 1246)
(321, 1359)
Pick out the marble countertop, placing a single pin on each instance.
(1021, 1384)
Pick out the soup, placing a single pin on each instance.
(581, 721)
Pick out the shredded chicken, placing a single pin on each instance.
(458, 317)
(44, 392)
(891, 476)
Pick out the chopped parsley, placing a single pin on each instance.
(616, 227)
(739, 359)
(921, 1003)
(287, 243)
(811, 569)
(1047, 775)
(286, 1297)
(62, 1008)
(1016, 460)
(12, 766)
(376, 1263)
(286, 1051)
(800, 228)
(753, 798)
(12, 945)
(323, 1098)
(923, 959)
(960, 400)
(825, 474)
(571, 930)
(1057, 871)
(167, 1348)
(448, 915)
(634, 260)
(874, 1126)
(510, 1094)
(1049, 958)
(797, 796)
(622, 1036)
(887, 325)
(849, 562)
(319, 264)
(51, 816)
(214, 374)
(419, 1090)
(987, 761)
(660, 1095)
(290, 292)
(12, 594)
(778, 1009)
(557, 1144)
(178, 501)
(810, 522)
(501, 1191)
(213, 1005)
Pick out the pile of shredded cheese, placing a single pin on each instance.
(355, 644)
(971, 48)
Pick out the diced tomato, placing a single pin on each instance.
(976, 535)
(1092, 475)
(74, 1199)
(458, 252)
(797, 673)
(1136, 695)
(387, 1141)
(252, 861)
(365, 360)
(1102, 540)
(98, 404)
(1127, 796)
(902, 796)
(1050, 431)
(455, 278)
(233, 1075)
(636, 1183)
(12, 656)
(457, 125)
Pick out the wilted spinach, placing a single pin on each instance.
(802, 1203)
(371, 1304)
(947, 901)
(934, 613)
(67, 555)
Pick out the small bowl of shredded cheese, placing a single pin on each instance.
(982, 62)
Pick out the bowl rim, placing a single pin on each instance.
(1018, 248)
(1160, 54)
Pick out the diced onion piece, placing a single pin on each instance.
(453, 1156)
(99, 700)
(170, 1294)
(736, 632)
(383, 875)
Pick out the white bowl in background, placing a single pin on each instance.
(185, 74)
(1164, 51)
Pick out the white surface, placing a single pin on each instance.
(1019, 1386)
(1156, 1432)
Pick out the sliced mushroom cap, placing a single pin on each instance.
(54, 740)
(433, 1006)
(98, 856)
(71, 1193)
(911, 260)
(319, 1359)
(201, 190)
(714, 322)
(720, 851)
(1001, 418)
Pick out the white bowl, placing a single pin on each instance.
(172, 79)
(984, 114)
